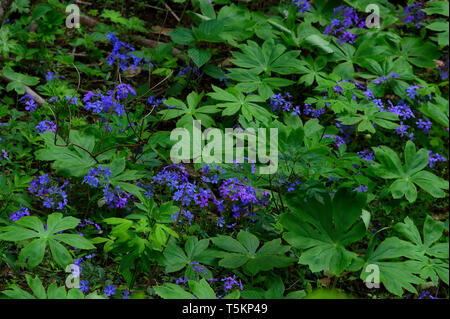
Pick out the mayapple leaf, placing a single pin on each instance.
(322, 227)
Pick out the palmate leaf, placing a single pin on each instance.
(269, 58)
(190, 112)
(408, 175)
(323, 227)
(70, 160)
(244, 253)
(425, 250)
(250, 82)
(33, 252)
(371, 115)
(175, 258)
(233, 101)
(416, 51)
(395, 274)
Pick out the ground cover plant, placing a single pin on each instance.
(345, 104)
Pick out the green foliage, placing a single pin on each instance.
(53, 291)
(408, 175)
(322, 227)
(31, 227)
(244, 253)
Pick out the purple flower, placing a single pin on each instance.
(412, 91)
(123, 90)
(72, 100)
(29, 102)
(188, 71)
(49, 76)
(361, 188)
(433, 158)
(93, 176)
(367, 156)
(84, 286)
(197, 267)
(345, 18)
(425, 294)
(414, 14)
(381, 80)
(278, 101)
(229, 282)
(45, 126)
(4, 154)
(42, 188)
(125, 294)
(425, 125)
(302, 5)
(182, 280)
(23, 211)
(109, 291)
(122, 52)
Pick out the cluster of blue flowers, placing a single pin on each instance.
(198, 268)
(176, 178)
(102, 103)
(23, 211)
(424, 294)
(29, 102)
(367, 156)
(50, 194)
(302, 5)
(114, 197)
(345, 18)
(280, 102)
(434, 157)
(122, 52)
(50, 76)
(361, 189)
(188, 71)
(411, 91)
(46, 126)
(414, 14)
(384, 79)
(425, 125)
(155, 102)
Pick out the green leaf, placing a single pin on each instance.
(243, 253)
(395, 275)
(74, 241)
(182, 36)
(202, 289)
(322, 227)
(408, 175)
(318, 41)
(200, 57)
(36, 286)
(60, 254)
(172, 291)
